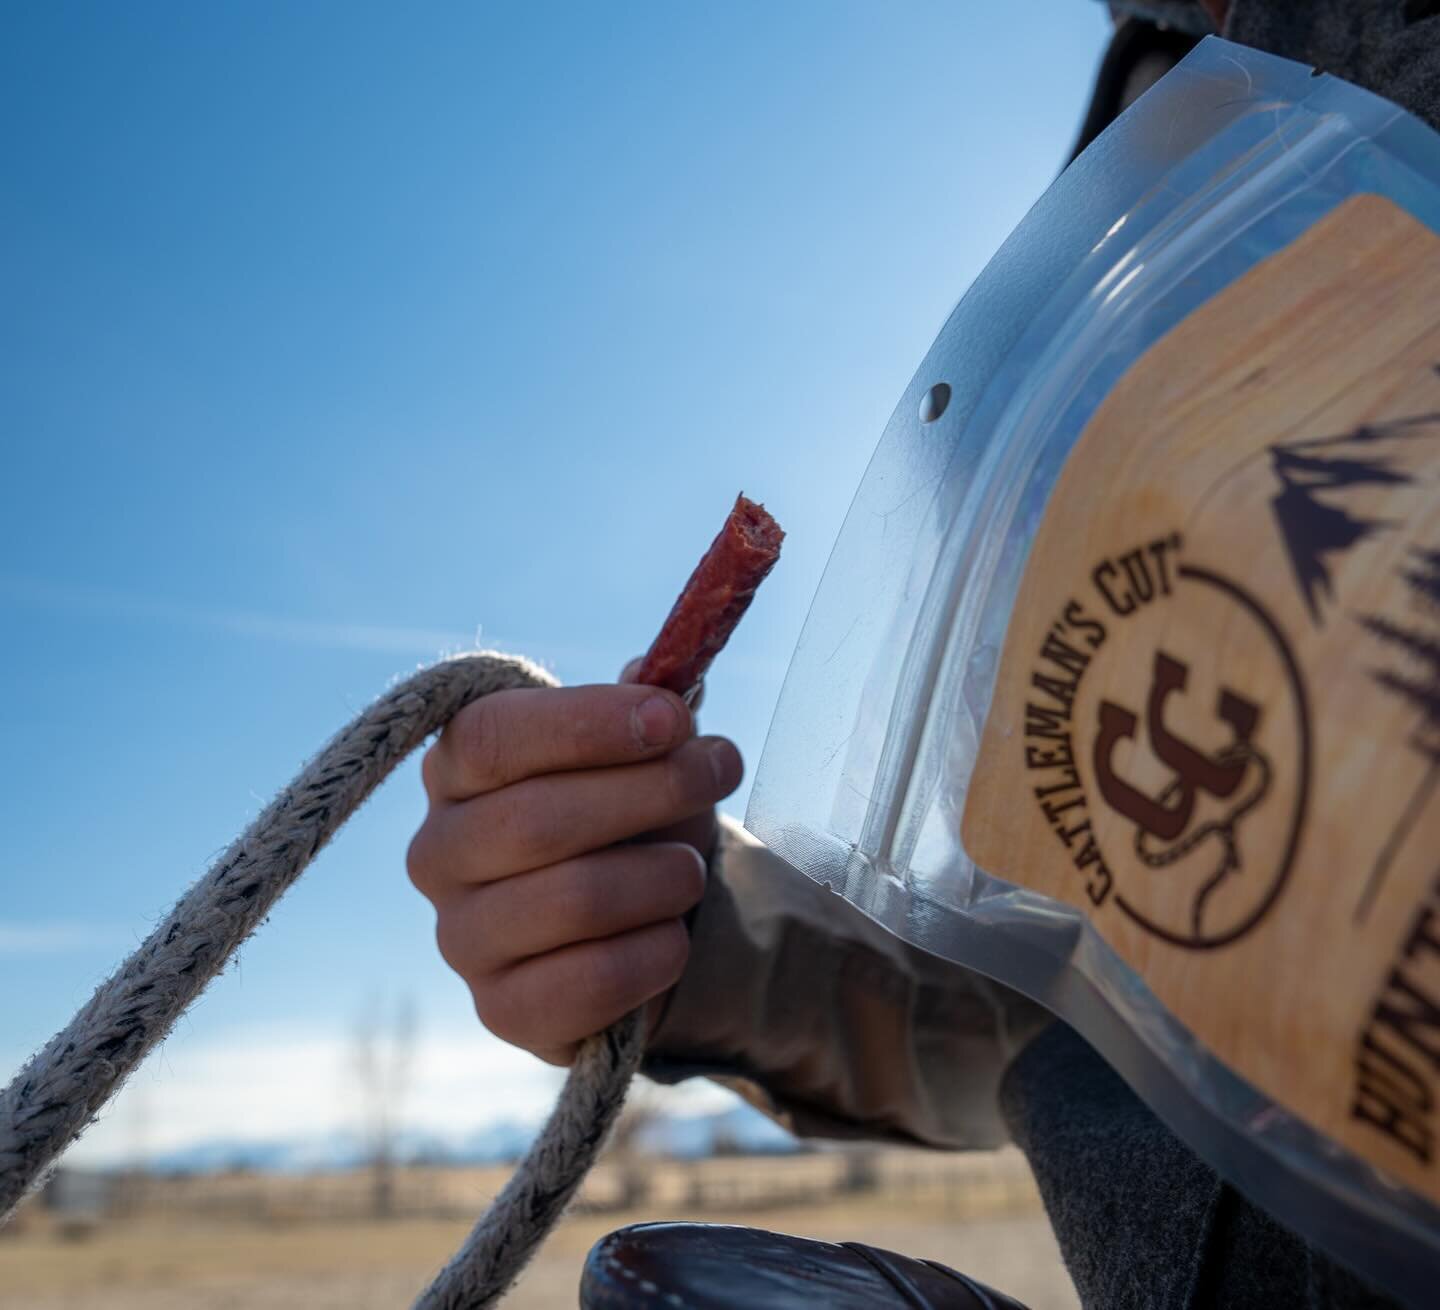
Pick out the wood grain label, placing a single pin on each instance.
(1217, 724)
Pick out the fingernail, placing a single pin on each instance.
(656, 721)
(726, 764)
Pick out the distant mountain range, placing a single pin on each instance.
(739, 1130)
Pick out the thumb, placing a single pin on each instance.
(629, 675)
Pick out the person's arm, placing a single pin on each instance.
(829, 1023)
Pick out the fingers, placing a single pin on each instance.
(514, 735)
(557, 931)
(603, 894)
(550, 1002)
(548, 819)
(700, 832)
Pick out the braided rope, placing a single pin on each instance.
(62, 1088)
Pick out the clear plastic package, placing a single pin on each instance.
(1122, 686)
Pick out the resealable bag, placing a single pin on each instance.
(1122, 686)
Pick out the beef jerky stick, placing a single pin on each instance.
(714, 600)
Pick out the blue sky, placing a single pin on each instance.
(332, 334)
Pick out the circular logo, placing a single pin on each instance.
(1198, 761)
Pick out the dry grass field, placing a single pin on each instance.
(200, 1256)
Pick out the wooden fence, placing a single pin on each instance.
(982, 1183)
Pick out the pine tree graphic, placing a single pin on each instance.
(1416, 680)
(1314, 527)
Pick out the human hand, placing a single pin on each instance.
(557, 927)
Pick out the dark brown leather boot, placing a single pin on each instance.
(722, 1267)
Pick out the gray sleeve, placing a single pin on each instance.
(827, 1022)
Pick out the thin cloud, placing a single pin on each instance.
(54, 938)
(102, 602)
(385, 639)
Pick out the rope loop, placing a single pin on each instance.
(63, 1087)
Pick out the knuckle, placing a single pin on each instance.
(480, 740)
(625, 973)
(588, 724)
(445, 942)
(497, 1008)
(456, 942)
(676, 773)
(672, 879)
(582, 900)
(419, 859)
(526, 823)
(609, 975)
(600, 725)
(431, 770)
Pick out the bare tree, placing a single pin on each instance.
(384, 1062)
(627, 1146)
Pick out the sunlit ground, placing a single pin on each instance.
(978, 1214)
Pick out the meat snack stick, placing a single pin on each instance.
(714, 600)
